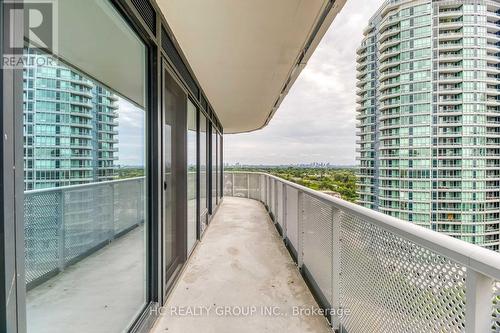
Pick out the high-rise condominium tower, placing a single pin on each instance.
(70, 127)
(429, 116)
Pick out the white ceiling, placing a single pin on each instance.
(243, 52)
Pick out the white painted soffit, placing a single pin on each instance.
(246, 54)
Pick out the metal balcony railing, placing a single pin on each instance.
(66, 224)
(373, 272)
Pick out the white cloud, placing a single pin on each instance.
(131, 139)
(316, 121)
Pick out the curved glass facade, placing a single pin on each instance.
(429, 117)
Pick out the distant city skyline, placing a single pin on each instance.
(299, 165)
(316, 121)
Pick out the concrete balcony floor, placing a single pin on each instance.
(241, 278)
(99, 294)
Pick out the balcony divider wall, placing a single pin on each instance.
(146, 20)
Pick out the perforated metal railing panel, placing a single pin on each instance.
(128, 205)
(240, 185)
(228, 184)
(64, 225)
(262, 188)
(42, 231)
(254, 189)
(317, 242)
(392, 282)
(272, 199)
(268, 192)
(292, 221)
(270, 195)
(88, 219)
(279, 205)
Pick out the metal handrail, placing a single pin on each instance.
(81, 186)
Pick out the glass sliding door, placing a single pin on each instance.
(219, 169)
(192, 173)
(174, 137)
(203, 172)
(214, 170)
(85, 219)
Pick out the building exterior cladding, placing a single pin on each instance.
(429, 116)
(70, 127)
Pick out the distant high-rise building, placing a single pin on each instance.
(429, 116)
(70, 126)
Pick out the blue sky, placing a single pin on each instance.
(316, 121)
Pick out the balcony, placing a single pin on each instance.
(451, 13)
(369, 271)
(102, 257)
(364, 268)
(243, 265)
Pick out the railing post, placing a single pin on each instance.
(336, 243)
(61, 237)
(284, 212)
(300, 222)
(478, 295)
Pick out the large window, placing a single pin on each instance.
(84, 164)
(192, 170)
(220, 187)
(203, 172)
(214, 170)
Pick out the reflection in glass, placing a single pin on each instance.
(84, 208)
(219, 167)
(191, 175)
(175, 103)
(203, 171)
